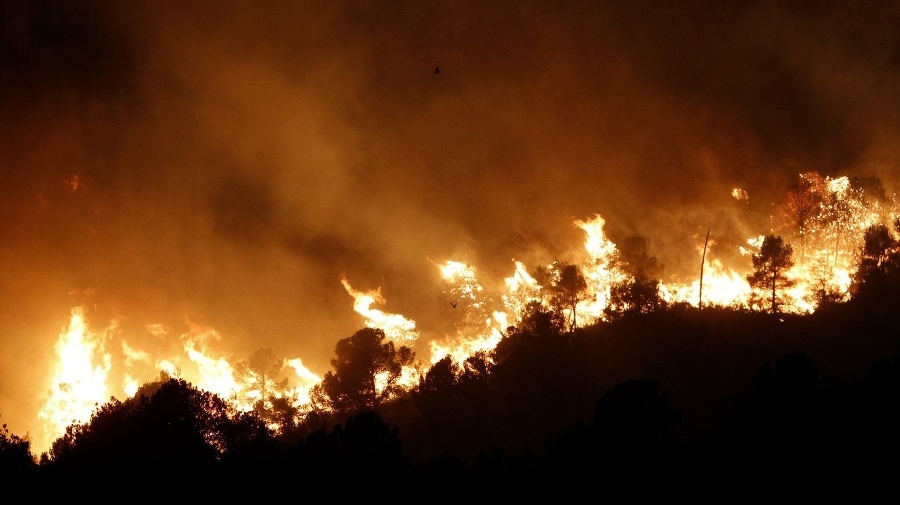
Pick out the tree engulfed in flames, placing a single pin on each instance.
(823, 218)
(79, 383)
(827, 217)
(480, 327)
(82, 382)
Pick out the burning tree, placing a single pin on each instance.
(259, 374)
(826, 218)
(839, 212)
(800, 207)
(830, 214)
(770, 266)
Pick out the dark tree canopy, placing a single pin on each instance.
(568, 291)
(639, 292)
(260, 371)
(535, 318)
(878, 273)
(639, 295)
(366, 371)
(770, 265)
(15, 455)
(544, 276)
(633, 257)
(478, 367)
(878, 243)
(168, 430)
(441, 376)
(566, 287)
(800, 206)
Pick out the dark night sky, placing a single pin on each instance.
(225, 163)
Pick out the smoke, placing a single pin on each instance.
(226, 164)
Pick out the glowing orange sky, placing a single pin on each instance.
(228, 163)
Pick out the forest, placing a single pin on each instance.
(657, 399)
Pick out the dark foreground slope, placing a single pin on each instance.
(713, 404)
(718, 392)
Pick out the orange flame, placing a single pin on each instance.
(80, 382)
(480, 328)
(395, 326)
(78, 385)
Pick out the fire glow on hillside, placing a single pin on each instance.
(825, 219)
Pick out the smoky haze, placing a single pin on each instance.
(227, 163)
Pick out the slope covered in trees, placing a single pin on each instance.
(668, 396)
(661, 398)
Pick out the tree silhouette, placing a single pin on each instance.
(544, 277)
(633, 257)
(441, 376)
(878, 274)
(436, 394)
(169, 431)
(478, 367)
(800, 206)
(566, 287)
(639, 292)
(770, 265)
(366, 370)
(539, 331)
(822, 291)
(568, 290)
(837, 218)
(878, 243)
(260, 372)
(536, 319)
(16, 462)
(638, 295)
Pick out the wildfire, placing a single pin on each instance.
(79, 379)
(823, 219)
(213, 374)
(481, 326)
(521, 288)
(82, 382)
(721, 287)
(395, 326)
(306, 380)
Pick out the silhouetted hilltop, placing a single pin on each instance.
(677, 396)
